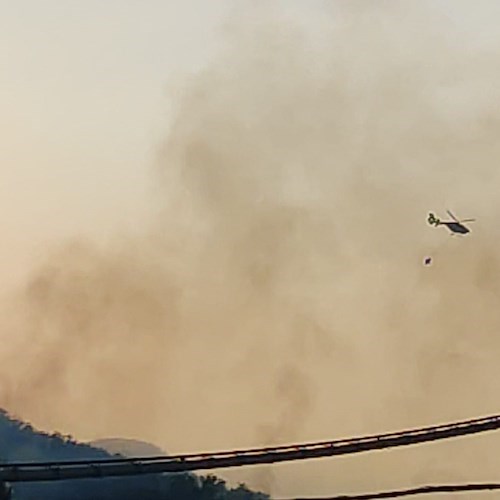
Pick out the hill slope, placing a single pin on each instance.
(20, 442)
(127, 447)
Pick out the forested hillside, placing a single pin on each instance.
(20, 442)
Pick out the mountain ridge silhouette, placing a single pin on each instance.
(21, 442)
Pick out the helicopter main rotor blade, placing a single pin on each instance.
(452, 216)
(468, 220)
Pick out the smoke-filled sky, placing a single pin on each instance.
(214, 221)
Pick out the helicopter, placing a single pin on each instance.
(455, 225)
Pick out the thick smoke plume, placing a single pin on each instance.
(282, 296)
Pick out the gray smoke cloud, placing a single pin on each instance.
(281, 296)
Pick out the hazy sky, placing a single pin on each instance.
(84, 94)
(295, 183)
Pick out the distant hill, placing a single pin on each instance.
(20, 442)
(128, 447)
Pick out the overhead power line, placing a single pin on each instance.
(421, 490)
(50, 471)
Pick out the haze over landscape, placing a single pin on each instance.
(214, 221)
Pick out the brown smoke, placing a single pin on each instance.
(282, 296)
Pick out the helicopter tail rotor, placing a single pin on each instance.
(433, 220)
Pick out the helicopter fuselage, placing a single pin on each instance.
(455, 227)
